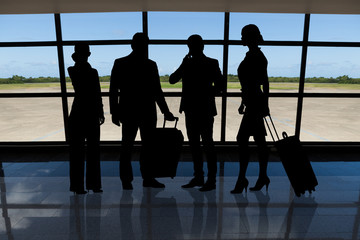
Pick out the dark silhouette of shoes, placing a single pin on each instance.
(152, 182)
(208, 186)
(260, 183)
(195, 182)
(127, 185)
(240, 186)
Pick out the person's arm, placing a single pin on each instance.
(178, 74)
(266, 90)
(219, 83)
(114, 94)
(99, 99)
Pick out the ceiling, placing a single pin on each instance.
(267, 6)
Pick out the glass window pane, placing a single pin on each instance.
(283, 112)
(330, 119)
(334, 28)
(233, 119)
(27, 28)
(29, 69)
(100, 26)
(31, 119)
(169, 58)
(333, 69)
(174, 104)
(180, 25)
(288, 26)
(102, 59)
(283, 67)
(108, 131)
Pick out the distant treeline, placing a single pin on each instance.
(231, 78)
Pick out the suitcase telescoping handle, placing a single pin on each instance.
(176, 121)
(273, 125)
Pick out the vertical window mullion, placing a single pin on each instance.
(145, 27)
(225, 73)
(302, 74)
(59, 44)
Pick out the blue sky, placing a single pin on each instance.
(283, 61)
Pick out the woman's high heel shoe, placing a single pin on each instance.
(240, 186)
(260, 183)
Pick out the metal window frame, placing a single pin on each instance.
(225, 43)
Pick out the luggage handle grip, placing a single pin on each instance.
(176, 122)
(284, 134)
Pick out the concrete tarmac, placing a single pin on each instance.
(323, 119)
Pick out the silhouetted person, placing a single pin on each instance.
(134, 91)
(252, 73)
(85, 119)
(201, 80)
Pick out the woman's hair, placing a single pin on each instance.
(251, 33)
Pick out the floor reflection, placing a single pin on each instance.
(332, 212)
(159, 216)
(125, 213)
(85, 217)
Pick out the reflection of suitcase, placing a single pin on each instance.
(166, 150)
(295, 162)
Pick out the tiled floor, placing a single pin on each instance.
(36, 205)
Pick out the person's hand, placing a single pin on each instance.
(186, 59)
(101, 119)
(169, 117)
(116, 120)
(241, 109)
(266, 111)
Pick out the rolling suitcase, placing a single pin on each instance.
(295, 162)
(166, 151)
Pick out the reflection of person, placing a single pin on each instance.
(93, 216)
(77, 217)
(242, 203)
(85, 216)
(252, 73)
(84, 123)
(263, 225)
(201, 80)
(199, 230)
(159, 216)
(125, 213)
(134, 91)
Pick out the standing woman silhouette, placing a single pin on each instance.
(86, 116)
(252, 73)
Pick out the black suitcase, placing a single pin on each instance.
(166, 151)
(295, 161)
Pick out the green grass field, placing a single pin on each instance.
(165, 85)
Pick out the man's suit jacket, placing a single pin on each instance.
(201, 80)
(135, 89)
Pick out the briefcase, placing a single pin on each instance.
(295, 161)
(166, 151)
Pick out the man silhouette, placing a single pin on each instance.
(201, 80)
(134, 90)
